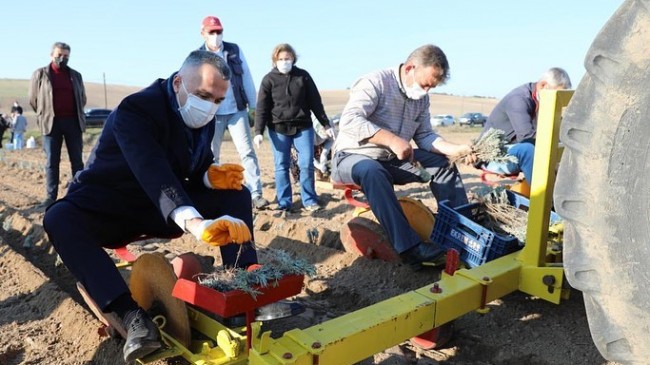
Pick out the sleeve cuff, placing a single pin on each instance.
(184, 213)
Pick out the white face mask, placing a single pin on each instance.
(415, 91)
(214, 40)
(196, 112)
(284, 66)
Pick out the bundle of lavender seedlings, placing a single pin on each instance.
(489, 147)
(502, 216)
(279, 264)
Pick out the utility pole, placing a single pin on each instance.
(105, 96)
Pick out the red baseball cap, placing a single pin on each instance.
(211, 23)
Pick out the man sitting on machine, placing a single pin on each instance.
(386, 110)
(516, 116)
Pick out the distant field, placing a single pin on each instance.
(334, 100)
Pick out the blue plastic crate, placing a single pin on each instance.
(457, 228)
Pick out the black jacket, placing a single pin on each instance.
(285, 102)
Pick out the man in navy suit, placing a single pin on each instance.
(151, 173)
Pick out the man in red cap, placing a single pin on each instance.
(233, 112)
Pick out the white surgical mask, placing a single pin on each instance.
(214, 40)
(284, 66)
(415, 91)
(196, 112)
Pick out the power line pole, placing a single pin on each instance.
(105, 96)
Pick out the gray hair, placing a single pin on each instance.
(60, 45)
(200, 57)
(431, 55)
(557, 77)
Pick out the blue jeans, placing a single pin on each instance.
(68, 129)
(79, 235)
(525, 152)
(18, 140)
(303, 141)
(376, 179)
(240, 132)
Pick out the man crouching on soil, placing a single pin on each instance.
(386, 110)
(151, 173)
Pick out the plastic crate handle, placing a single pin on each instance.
(459, 226)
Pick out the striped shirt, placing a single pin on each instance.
(377, 101)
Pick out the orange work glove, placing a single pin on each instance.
(226, 176)
(223, 230)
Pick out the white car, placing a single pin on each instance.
(442, 120)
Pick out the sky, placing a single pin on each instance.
(492, 46)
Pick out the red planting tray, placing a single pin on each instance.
(236, 302)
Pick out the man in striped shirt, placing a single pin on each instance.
(386, 110)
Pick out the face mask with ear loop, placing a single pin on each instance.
(214, 40)
(196, 112)
(415, 91)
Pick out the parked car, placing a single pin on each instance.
(97, 117)
(472, 119)
(442, 120)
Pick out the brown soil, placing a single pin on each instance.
(43, 319)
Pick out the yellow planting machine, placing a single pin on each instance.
(606, 137)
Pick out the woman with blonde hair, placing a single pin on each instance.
(286, 99)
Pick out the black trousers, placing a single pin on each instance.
(80, 235)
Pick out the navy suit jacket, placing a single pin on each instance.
(142, 160)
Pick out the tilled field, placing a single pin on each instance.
(43, 319)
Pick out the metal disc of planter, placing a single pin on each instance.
(151, 284)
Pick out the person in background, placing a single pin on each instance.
(233, 112)
(58, 96)
(386, 110)
(516, 116)
(287, 97)
(322, 148)
(152, 174)
(323, 143)
(19, 127)
(4, 125)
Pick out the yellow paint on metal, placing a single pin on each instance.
(229, 346)
(521, 187)
(420, 217)
(546, 159)
(358, 211)
(533, 255)
(358, 335)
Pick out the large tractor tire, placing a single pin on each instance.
(603, 186)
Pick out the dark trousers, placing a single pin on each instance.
(79, 236)
(68, 129)
(376, 179)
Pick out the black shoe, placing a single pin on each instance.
(142, 337)
(422, 252)
(46, 203)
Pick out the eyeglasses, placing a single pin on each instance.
(216, 31)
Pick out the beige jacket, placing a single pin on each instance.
(40, 98)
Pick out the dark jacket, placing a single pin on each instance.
(285, 102)
(4, 125)
(40, 98)
(516, 114)
(143, 159)
(237, 71)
